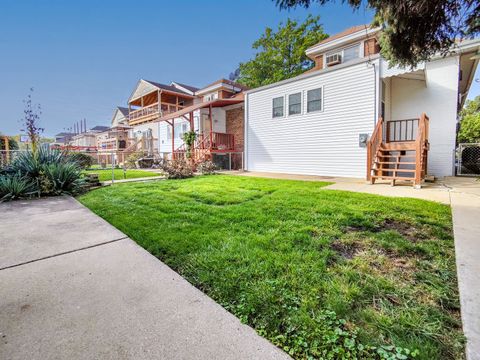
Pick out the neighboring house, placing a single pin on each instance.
(63, 138)
(120, 116)
(318, 123)
(166, 112)
(87, 140)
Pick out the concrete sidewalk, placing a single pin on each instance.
(74, 287)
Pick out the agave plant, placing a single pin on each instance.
(15, 187)
(44, 172)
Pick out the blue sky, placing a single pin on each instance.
(83, 58)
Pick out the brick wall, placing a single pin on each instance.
(318, 62)
(371, 47)
(235, 126)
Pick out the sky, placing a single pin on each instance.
(84, 58)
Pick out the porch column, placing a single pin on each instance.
(192, 147)
(211, 124)
(173, 137)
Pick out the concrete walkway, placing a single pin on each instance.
(74, 287)
(463, 194)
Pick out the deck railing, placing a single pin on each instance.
(401, 130)
(210, 142)
(154, 109)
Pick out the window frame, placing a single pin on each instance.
(341, 52)
(322, 104)
(283, 107)
(301, 103)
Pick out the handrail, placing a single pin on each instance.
(372, 146)
(421, 144)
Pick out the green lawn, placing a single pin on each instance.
(106, 174)
(320, 273)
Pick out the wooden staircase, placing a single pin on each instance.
(401, 157)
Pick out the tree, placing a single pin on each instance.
(281, 54)
(12, 143)
(30, 121)
(415, 30)
(470, 122)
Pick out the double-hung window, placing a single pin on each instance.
(314, 100)
(277, 107)
(295, 104)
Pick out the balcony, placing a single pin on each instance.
(152, 112)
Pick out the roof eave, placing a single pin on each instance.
(358, 35)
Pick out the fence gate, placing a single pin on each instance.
(468, 159)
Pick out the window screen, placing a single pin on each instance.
(277, 110)
(295, 104)
(314, 100)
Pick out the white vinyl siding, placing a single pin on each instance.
(317, 143)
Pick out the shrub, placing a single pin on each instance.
(15, 187)
(207, 167)
(85, 161)
(133, 160)
(44, 172)
(177, 169)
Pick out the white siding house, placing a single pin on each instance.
(323, 142)
(357, 87)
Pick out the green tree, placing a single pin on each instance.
(415, 30)
(12, 143)
(281, 54)
(470, 122)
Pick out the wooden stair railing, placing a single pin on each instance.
(421, 149)
(398, 158)
(373, 144)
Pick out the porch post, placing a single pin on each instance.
(192, 147)
(173, 137)
(211, 124)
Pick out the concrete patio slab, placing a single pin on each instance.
(40, 228)
(110, 301)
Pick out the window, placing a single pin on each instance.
(314, 100)
(294, 104)
(180, 129)
(351, 53)
(210, 97)
(277, 110)
(341, 56)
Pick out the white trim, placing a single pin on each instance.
(358, 35)
(284, 103)
(314, 73)
(306, 112)
(301, 103)
(177, 85)
(218, 86)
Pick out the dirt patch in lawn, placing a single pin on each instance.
(408, 231)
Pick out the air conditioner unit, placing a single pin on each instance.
(334, 59)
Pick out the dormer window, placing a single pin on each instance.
(342, 56)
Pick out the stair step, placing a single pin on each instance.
(395, 163)
(396, 170)
(392, 177)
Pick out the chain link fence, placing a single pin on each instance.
(468, 159)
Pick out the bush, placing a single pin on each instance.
(45, 172)
(177, 169)
(207, 167)
(84, 160)
(15, 187)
